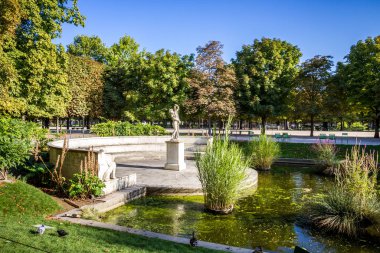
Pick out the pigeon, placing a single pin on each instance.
(41, 229)
(193, 240)
(258, 249)
(62, 232)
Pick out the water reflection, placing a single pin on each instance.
(265, 218)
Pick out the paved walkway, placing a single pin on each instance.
(151, 173)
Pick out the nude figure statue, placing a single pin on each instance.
(175, 122)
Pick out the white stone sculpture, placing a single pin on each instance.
(175, 122)
(107, 167)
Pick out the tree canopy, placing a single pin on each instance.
(88, 46)
(265, 71)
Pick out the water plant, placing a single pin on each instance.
(221, 170)
(327, 157)
(262, 152)
(351, 206)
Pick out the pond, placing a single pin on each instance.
(265, 218)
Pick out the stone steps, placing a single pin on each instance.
(117, 198)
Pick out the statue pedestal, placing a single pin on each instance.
(175, 155)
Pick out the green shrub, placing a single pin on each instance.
(112, 128)
(221, 170)
(83, 186)
(358, 126)
(327, 157)
(352, 205)
(262, 152)
(17, 140)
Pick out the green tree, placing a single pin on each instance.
(266, 71)
(11, 102)
(212, 84)
(142, 85)
(311, 88)
(362, 73)
(35, 66)
(123, 58)
(88, 46)
(85, 79)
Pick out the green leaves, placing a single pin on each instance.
(265, 71)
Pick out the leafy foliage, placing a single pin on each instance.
(34, 67)
(312, 82)
(143, 86)
(265, 71)
(112, 128)
(361, 72)
(17, 139)
(91, 47)
(85, 80)
(262, 152)
(212, 84)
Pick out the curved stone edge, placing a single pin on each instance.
(106, 149)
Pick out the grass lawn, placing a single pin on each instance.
(22, 205)
(304, 150)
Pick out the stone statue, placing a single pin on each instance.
(175, 122)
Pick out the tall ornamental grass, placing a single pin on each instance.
(352, 205)
(221, 170)
(113, 128)
(262, 152)
(327, 157)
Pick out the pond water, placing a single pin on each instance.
(265, 218)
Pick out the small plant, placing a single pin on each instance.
(327, 157)
(56, 176)
(86, 183)
(262, 152)
(221, 170)
(352, 205)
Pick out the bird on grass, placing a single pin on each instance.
(62, 232)
(41, 229)
(193, 240)
(258, 249)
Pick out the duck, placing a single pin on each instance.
(193, 240)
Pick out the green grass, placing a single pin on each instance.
(22, 206)
(304, 151)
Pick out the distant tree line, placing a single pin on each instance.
(266, 82)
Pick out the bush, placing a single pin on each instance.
(17, 139)
(112, 128)
(221, 170)
(351, 206)
(262, 152)
(327, 157)
(358, 126)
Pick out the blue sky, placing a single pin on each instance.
(316, 27)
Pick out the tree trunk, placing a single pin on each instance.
(46, 123)
(312, 125)
(209, 126)
(341, 125)
(286, 126)
(263, 123)
(57, 125)
(68, 124)
(377, 123)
